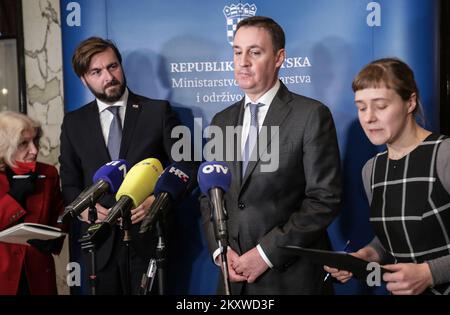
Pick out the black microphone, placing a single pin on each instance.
(171, 186)
(214, 179)
(107, 179)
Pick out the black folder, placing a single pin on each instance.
(339, 260)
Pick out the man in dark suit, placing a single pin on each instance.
(87, 143)
(291, 203)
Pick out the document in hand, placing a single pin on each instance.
(339, 260)
(20, 233)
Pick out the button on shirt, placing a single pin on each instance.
(106, 116)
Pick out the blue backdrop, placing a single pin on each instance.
(179, 50)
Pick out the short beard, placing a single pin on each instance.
(112, 97)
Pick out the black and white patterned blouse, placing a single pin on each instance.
(410, 207)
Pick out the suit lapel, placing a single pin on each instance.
(95, 133)
(237, 116)
(131, 117)
(278, 111)
(234, 119)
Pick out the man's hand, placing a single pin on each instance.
(250, 265)
(408, 278)
(232, 256)
(139, 213)
(102, 213)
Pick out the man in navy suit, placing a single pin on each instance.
(145, 126)
(290, 204)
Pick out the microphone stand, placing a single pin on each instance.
(160, 256)
(221, 234)
(156, 267)
(148, 278)
(223, 256)
(126, 227)
(89, 247)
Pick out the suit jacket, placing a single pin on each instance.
(290, 206)
(146, 133)
(42, 206)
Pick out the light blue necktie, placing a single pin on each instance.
(252, 136)
(115, 133)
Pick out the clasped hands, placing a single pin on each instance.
(247, 267)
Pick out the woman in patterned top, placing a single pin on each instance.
(408, 186)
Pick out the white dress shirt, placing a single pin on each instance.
(265, 99)
(106, 116)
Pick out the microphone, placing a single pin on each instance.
(107, 179)
(171, 186)
(137, 185)
(214, 179)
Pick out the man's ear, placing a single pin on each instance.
(281, 55)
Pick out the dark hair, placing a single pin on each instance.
(83, 54)
(274, 29)
(390, 73)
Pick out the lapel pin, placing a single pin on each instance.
(136, 106)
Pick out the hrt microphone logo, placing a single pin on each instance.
(218, 168)
(179, 173)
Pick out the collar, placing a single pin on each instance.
(266, 98)
(121, 102)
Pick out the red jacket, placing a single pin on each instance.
(43, 206)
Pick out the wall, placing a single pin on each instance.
(44, 77)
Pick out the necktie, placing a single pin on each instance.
(115, 133)
(251, 137)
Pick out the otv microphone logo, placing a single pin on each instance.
(217, 168)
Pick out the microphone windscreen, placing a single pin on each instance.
(174, 180)
(140, 181)
(113, 173)
(214, 175)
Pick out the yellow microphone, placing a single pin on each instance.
(138, 184)
(140, 181)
